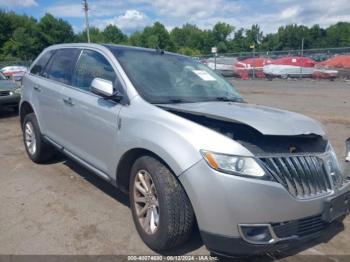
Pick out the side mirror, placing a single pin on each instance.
(347, 150)
(105, 89)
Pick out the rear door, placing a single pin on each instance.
(90, 121)
(34, 83)
(56, 75)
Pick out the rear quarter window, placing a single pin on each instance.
(62, 64)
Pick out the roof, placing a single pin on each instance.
(111, 47)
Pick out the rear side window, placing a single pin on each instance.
(61, 66)
(39, 66)
(92, 64)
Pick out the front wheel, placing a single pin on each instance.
(161, 210)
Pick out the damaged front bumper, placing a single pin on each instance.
(224, 203)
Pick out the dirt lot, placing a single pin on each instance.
(60, 208)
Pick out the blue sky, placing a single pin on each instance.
(133, 15)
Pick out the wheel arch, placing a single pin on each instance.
(126, 162)
(25, 109)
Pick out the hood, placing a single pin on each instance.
(7, 85)
(266, 120)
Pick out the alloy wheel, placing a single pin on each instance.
(30, 138)
(146, 202)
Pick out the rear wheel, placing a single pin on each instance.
(161, 210)
(37, 149)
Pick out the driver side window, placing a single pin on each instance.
(90, 65)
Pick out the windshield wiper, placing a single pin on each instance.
(173, 101)
(227, 99)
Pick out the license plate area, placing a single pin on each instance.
(336, 207)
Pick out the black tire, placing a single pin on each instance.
(341, 219)
(44, 152)
(176, 216)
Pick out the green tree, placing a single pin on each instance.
(238, 44)
(23, 37)
(338, 35)
(95, 36)
(189, 51)
(54, 31)
(254, 36)
(135, 39)
(221, 31)
(24, 41)
(157, 36)
(318, 37)
(112, 34)
(190, 36)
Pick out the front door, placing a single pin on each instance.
(90, 120)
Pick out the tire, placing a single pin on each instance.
(175, 213)
(40, 151)
(341, 219)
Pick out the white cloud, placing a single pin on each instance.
(100, 8)
(131, 20)
(290, 12)
(69, 10)
(199, 9)
(133, 15)
(16, 3)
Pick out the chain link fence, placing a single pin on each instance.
(330, 63)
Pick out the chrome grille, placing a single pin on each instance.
(303, 176)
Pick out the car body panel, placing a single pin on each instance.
(47, 101)
(98, 133)
(266, 120)
(8, 94)
(90, 128)
(178, 141)
(223, 201)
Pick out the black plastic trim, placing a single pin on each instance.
(236, 246)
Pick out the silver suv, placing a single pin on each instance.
(185, 146)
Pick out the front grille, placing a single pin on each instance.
(4, 93)
(302, 227)
(303, 176)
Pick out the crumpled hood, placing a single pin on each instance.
(7, 85)
(266, 120)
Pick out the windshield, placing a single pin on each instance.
(169, 78)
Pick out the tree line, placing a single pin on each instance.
(23, 37)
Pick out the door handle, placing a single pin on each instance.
(68, 101)
(37, 88)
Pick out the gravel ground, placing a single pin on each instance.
(62, 209)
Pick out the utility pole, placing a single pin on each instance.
(302, 54)
(86, 11)
(253, 47)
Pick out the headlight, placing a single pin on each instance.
(11, 93)
(333, 167)
(332, 160)
(347, 150)
(236, 165)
